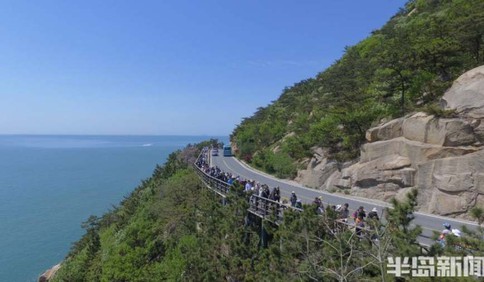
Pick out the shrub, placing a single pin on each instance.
(437, 111)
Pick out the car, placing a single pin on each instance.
(215, 152)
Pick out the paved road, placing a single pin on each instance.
(428, 222)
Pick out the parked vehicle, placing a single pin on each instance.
(227, 151)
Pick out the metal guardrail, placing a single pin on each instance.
(260, 206)
(263, 207)
(268, 209)
(215, 184)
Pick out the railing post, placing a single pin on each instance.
(263, 235)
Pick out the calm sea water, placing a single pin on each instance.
(50, 184)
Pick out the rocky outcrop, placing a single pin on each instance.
(389, 130)
(416, 151)
(442, 157)
(444, 132)
(466, 95)
(49, 274)
(318, 170)
(451, 185)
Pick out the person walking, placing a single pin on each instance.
(293, 199)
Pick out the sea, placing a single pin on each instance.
(50, 184)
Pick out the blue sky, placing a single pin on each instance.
(165, 67)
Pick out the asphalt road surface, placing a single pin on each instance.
(428, 222)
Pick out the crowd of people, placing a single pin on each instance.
(252, 187)
(359, 216)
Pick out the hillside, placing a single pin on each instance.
(172, 228)
(404, 67)
(375, 123)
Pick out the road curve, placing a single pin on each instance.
(428, 222)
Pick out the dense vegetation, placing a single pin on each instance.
(172, 228)
(402, 67)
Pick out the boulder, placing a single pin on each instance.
(416, 152)
(336, 180)
(314, 177)
(466, 95)
(439, 131)
(456, 182)
(318, 170)
(451, 185)
(375, 194)
(415, 127)
(394, 162)
(389, 173)
(446, 204)
(449, 132)
(386, 131)
(454, 174)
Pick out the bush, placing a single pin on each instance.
(283, 165)
(279, 163)
(437, 111)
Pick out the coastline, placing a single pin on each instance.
(49, 273)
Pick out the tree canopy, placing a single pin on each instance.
(404, 66)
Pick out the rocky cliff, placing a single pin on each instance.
(442, 157)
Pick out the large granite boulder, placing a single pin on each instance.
(466, 95)
(379, 179)
(415, 127)
(450, 132)
(417, 152)
(447, 204)
(386, 131)
(460, 179)
(439, 131)
(428, 129)
(390, 172)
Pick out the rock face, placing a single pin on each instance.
(466, 95)
(442, 157)
(318, 170)
(443, 132)
(389, 130)
(49, 274)
(452, 185)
